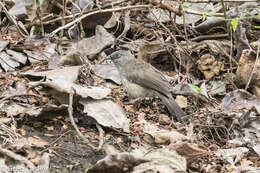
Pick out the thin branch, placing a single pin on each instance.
(166, 6)
(97, 12)
(70, 110)
(21, 30)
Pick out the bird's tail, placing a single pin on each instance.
(174, 109)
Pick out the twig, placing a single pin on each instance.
(225, 15)
(36, 22)
(57, 4)
(18, 95)
(231, 52)
(97, 12)
(101, 136)
(70, 110)
(10, 17)
(53, 142)
(209, 37)
(65, 158)
(256, 61)
(17, 157)
(166, 6)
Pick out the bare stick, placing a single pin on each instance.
(70, 110)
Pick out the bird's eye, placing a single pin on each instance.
(118, 55)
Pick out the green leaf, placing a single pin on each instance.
(195, 88)
(257, 27)
(259, 15)
(185, 5)
(234, 23)
(41, 1)
(204, 16)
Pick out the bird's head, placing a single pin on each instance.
(120, 56)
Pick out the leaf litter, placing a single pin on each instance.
(53, 63)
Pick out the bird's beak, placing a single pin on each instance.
(104, 59)
(108, 57)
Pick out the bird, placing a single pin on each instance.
(140, 79)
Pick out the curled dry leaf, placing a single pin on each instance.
(107, 113)
(112, 21)
(107, 71)
(95, 44)
(61, 81)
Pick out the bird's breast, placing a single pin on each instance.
(135, 90)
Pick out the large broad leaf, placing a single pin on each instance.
(107, 113)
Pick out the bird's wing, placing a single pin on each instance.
(148, 76)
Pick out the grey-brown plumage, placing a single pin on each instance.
(141, 79)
